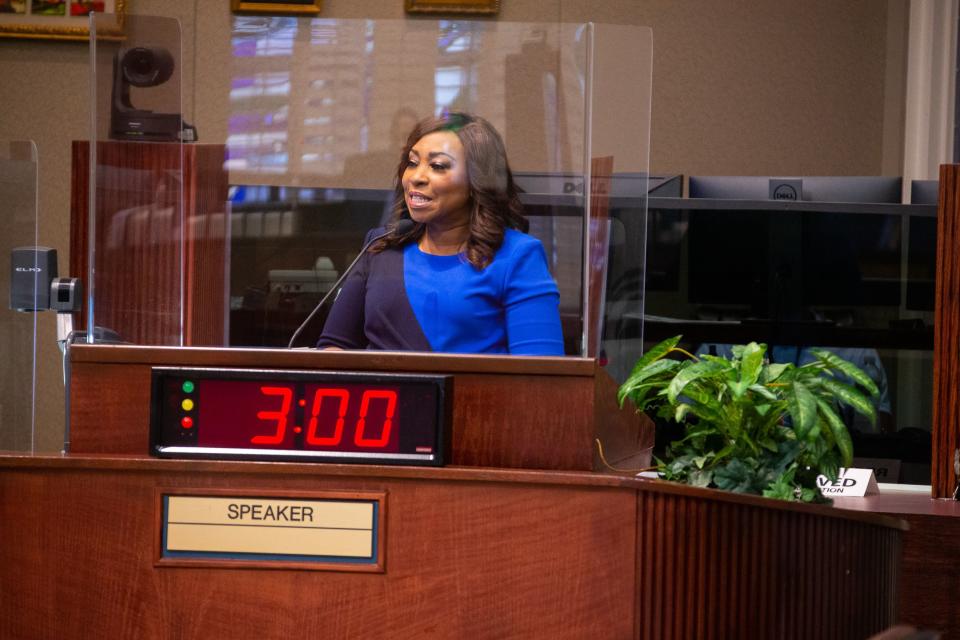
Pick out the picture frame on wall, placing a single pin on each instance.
(277, 7)
(57, 19)
(468, 7)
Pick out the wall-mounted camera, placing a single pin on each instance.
(143, 67)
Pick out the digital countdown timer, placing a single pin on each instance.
(300, 415)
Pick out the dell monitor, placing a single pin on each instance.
(867, 189)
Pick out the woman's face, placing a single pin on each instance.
(434, 182)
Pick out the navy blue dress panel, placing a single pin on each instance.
(372, 311)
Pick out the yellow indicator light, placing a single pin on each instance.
(187, 404)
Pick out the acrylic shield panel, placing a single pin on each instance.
(135, 222)
(18, 328)
(309, 116)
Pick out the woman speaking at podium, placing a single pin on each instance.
(455, 270)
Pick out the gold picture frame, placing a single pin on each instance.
(470, 7)
(281, 7)
(58, 19)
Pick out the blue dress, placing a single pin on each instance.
(403, 299)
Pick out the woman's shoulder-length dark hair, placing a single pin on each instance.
(494, 197)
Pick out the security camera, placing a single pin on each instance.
(144, 67)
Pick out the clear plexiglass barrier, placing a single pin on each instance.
(303, 155)
(24, 288)
(134, 276)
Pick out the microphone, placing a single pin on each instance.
(402, 227)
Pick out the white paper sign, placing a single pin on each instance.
(849, 482)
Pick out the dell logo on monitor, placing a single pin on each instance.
(786, 189)
(785, 192)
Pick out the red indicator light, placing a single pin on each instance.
(302, 402)
(297, 429)
(186, 422)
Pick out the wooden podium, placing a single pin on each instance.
(538, 547)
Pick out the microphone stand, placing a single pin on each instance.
(403, 227)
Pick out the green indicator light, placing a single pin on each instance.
(187, 386)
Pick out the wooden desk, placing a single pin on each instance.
(930, 574)
(469, 553)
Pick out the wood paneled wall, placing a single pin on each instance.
(946, 336)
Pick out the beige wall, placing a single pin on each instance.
(765, 88)
(739, 87)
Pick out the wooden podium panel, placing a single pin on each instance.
(531, 413)
(469, 553)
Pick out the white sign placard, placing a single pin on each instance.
(324, 530)
(849, 482)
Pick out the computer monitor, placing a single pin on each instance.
(621, 184)
(924, 191)
(922, 248)
(869, 189)
(781, 266)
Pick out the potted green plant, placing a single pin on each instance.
(751, 426)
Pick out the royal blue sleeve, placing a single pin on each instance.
(532, 303)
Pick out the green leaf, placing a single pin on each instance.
(689, 374)
(829, 467)
(847, 394)
(849, 369)
(723, 453)
(696, 433)
(751, 363)
(783, 488)
(736, 476)
(802, 406)
(772, 372)
(640, 376)
(839, 432)
(788, 451)
(655, 353)
(769, 444)
(639, 395)
(701, 477)
(763, 391)
(703, 403)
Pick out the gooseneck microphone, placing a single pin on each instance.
(402, 227)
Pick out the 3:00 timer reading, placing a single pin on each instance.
(299, 415)
(341, 400)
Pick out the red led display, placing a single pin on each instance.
(353, 417)
(249, 414)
